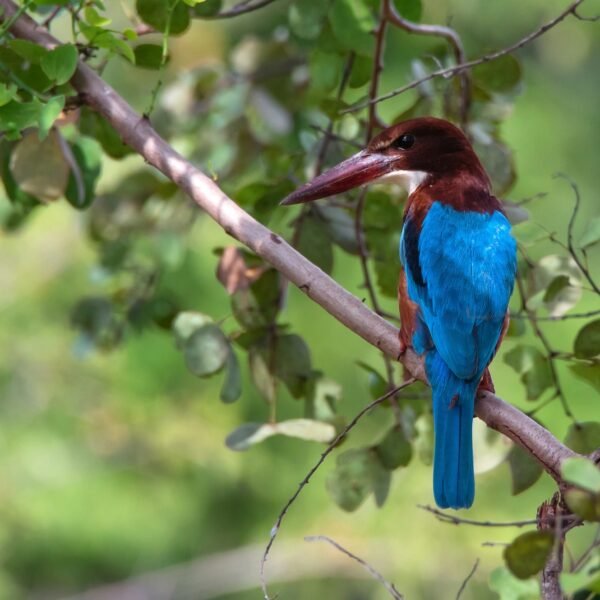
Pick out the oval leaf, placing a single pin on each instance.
(60, 64)
(528, 553)
(587, 342)
(206, 351)
(581, 472)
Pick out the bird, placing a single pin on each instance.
(458, 270)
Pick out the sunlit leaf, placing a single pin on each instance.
(527, 554)
(28, 50)
(93, 17)
(587, 578)
(48, 115)
(587, 342)
(583, 503)
(186, 323)
(581, 472)
(508, 587)
(591, 235)
(352, 24)
(206, 350)
(39, 167)
(533, 367)
(322, 398)
(590, 373)
(557, 285)
(60, 63)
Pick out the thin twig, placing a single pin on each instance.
(585, 315)
(390, 587)
(550, 352)
(240, 9)
(455, 70)
(570, 244)
(453, 39)
(313, 470)
(467, 578)
(454, 520)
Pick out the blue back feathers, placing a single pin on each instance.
(460, 269)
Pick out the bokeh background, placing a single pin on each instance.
(113, 468)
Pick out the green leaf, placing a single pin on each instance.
(232, 384)
(527, 554)
(306, 18)
(591, 235)
(207, 8)
(524, 469)
(340, 227)
(583, 438)
(314, 242)
(156, 13)
(410, 9)
(557, 285)
(24, 70)
(293, 364)
(60, 63)
(362, 70)
(250, 434)
(257, 305)
(206, 350)
(94, 18)
(590, 373)
(103, 38)
(533, 367)
(529, 233)
(17, 116)
(96, 319)
(587, 342)
(7, 93)
(501, 76)
(261, 360)
(588, 578)
(148, 56)
(352, 24)
(322, 398)
(187, 323)
(545, 272)
(583, 503)
(508, 587)
(357, 474)
(39, 167)
(581, 472)
(81, 187)
(28, 50)
(378, 386)
(325, 70)
(394, 450)
(95, 126)
(48, 114)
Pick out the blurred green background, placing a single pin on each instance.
(113, 468)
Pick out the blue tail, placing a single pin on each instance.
(453, 409)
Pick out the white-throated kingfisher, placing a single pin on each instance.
(459, 262)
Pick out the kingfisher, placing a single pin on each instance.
(459, 266)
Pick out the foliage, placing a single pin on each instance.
(270, 100)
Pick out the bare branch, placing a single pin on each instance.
(586, 315)
(453, 71)
(454, 520)
(313, 470)
(467, 579)
(390, 587)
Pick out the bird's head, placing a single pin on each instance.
(410, 153)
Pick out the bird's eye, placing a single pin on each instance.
(404, 142)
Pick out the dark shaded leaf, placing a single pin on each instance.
(208, 8)
(587, 342)
(362, 69)
(557, 285)
(314, 242)
(96, 127)
(527, 554)
(258, 304)
(148, 56)
(394, 450)
(583, 438)
(524, 469)
(81, 187)
(231, 389)
(378, 386)
(245, 436)
(156, 13)
(410, 9)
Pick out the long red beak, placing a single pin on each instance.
(357, 170)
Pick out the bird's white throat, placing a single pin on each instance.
(409, 180)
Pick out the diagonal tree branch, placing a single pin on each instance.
(138, 133)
